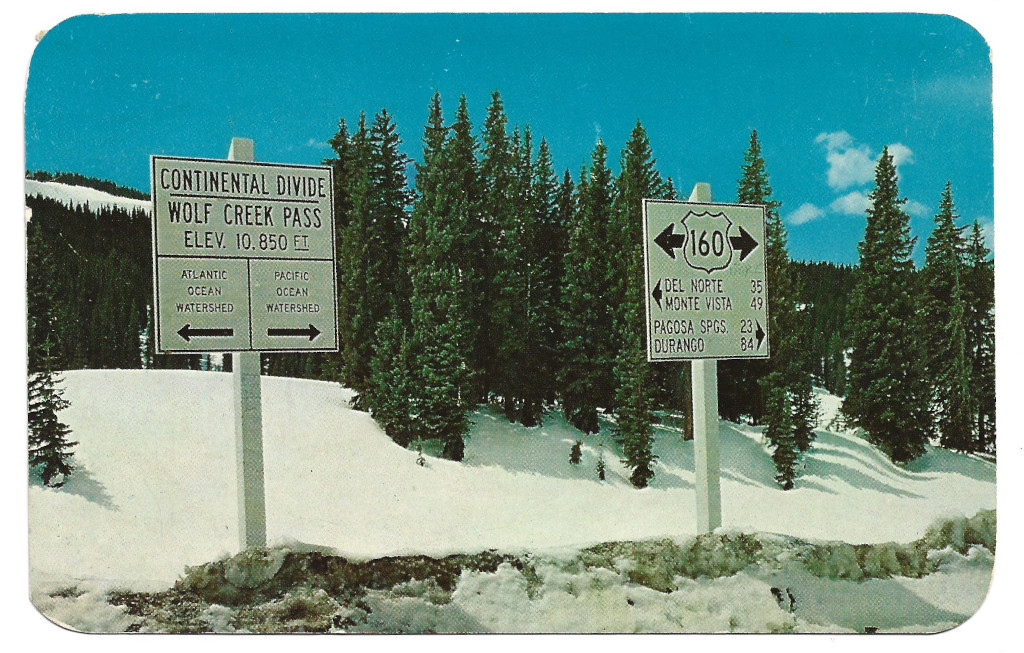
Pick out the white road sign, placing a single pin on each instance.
(705, 281)
(243, 256)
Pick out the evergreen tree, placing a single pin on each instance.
(601, 465)
(587, 375)
(388, 397)
(942, 309)
(888, 395)
(552, 203)
(744, 385)
(471, 244)
(355, 328)
(635, 385)
(779, 432)
(49, 447)
(441, 226)
(576, 452)
(373, 278)
(979, 333)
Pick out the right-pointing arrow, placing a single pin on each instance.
(744, 242)
(312, 332)
(760, 335)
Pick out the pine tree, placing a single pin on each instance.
(440, 379)
(553, 203)
(601, 465)
(586, 378)
(373, 279)
(979, 332)
(888, 395)
(779, 432)
(942, 310)
(49, 447)
(745, 385)
(355, 327)
(635, 382)
(471, 246)
(576, 452)
(388, 396)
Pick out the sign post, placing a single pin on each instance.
(248, 393)
(706, 300)
(244, 262)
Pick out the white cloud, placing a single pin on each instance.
(900, 154)
(853, 203)
(806, 213)
(317, 143)
(849, 163)
(916, 209)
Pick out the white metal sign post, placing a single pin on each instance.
(244, 262)
(706, 300)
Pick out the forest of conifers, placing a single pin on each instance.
(495, 278)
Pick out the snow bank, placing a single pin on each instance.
(156, 486)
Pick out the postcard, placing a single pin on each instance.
(510, 323)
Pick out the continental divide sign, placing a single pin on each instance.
(705, 281)
(243, 256)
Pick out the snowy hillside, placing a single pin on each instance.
(75, 195)
(156, 486)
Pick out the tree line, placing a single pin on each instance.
(497, 279)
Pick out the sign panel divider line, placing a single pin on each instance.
(248, 271)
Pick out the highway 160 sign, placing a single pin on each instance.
(705, 281)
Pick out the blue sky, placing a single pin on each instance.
(825, 91)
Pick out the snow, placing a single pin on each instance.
(156, 492)
(75, 195)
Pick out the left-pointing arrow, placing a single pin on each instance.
(187, 332)
(312, 332)
(669, 241)
(656, 293)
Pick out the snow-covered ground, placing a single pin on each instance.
(155, 491)
(75, 195)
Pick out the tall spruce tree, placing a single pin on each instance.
(495, 229)
(548, 250)
(441, 341)
(779, 431)
(979, 333)
(355, 327)
(388, 396)
(745, 385)
(587, 377)
(942, 312)
(471, 246)
(50, 449)
(373, 278)
(635, 378)
(888, 394)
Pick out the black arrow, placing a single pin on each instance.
(312, 332)
(759, 333)
(669, 241)
(657, 293)
(744, 242)
(187, 332)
